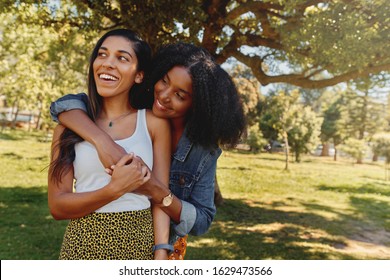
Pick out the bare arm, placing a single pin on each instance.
(160, 133)
(65, 204)
(78, 121)
(157, 190)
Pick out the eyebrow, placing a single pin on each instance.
(180, 89)
(121, 51)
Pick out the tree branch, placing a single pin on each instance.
(255, 63)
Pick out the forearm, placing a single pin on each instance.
(161, 222)
(79, 122)
(157, 191)
(75, 205)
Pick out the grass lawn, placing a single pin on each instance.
(319, 209)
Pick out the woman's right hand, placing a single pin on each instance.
(128, 174)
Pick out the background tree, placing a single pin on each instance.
(363, 116)
(317, 43)
(356, 148)
(279, 114)
(255, 139)
(381, 145)
(332, 128)
(249, 90)
(37, 65)
(303, 135)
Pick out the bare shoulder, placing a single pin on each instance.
(153, 120)
(156, 125)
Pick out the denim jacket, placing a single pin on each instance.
(192, 175)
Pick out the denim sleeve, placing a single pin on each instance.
(187, 219)
(199, 211)
(68, 102)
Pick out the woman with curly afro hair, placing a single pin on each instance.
(198, 97)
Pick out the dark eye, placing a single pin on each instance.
(180, 95)
(123, 58)
(102, 54)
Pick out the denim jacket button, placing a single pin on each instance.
(182, 181)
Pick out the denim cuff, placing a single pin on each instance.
(187, 219)
(59, 107)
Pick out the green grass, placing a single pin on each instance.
(319, 209)
(27, 230)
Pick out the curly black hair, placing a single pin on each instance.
(216, 116)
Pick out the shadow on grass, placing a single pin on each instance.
(252, 231)
(367, 188)
(27, 230)
(12, 156)
(241, 230)
(11, 136)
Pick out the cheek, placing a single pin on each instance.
(157, 87)
(95, 64)
(183, 108)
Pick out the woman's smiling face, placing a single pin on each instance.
(115, 67)
(173, 94)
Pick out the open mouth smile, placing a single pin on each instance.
(105, 76)
(160, 106)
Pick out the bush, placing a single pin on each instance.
(255, 139)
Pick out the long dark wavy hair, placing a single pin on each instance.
(216, 116)
(63, 163)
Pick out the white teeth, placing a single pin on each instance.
(160, 105)
(107, 77)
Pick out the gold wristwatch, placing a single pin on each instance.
(167, 201)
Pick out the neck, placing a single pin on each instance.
(177, 130)
(113, 109)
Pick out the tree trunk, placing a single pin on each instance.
(325, 150)
(15, 113)
(335, 154)
(286, 149)
(37, 125)
(297, 157)
(218, 199)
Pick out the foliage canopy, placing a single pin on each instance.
(307, 43)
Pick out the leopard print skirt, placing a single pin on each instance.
(109, 236)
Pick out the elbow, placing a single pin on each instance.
(57, 215)
(201, 228)
(199, 231)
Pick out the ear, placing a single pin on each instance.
(139, 77)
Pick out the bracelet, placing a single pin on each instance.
(168, 247)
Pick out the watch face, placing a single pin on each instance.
(167, 200)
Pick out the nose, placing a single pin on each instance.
(108, 62)
(164, 95)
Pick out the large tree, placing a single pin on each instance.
(37, 66)
(307, 43)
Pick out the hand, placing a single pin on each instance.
(109, 152)
(144, 189)
(128, 174)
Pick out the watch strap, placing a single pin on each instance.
(167, 247)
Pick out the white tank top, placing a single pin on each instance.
(89, 171)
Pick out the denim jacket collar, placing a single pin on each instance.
(183, 148)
